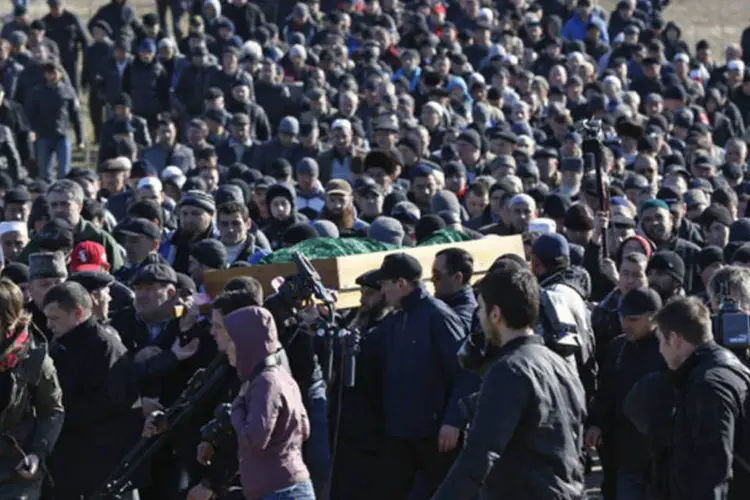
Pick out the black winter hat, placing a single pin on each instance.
(209, 252)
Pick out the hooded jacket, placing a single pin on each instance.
(268, 414)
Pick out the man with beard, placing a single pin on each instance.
(522, 209)
(666, 274)
(339, 208)
(357, 452)
(195, 212)
(658, 225)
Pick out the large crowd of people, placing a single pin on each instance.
(223, 131)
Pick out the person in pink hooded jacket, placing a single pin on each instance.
(268, 414)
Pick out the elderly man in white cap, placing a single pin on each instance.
(14, 235)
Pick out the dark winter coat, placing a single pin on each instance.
(34, 424)
(148, 86)
(625, 363)
(53, 111)
(101, 420)
(422, 381)
(526, 436)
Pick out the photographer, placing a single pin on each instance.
(167, 348)
(31, 409)
(268, 415)
(527, 427)
(359, 428)
(217, 451)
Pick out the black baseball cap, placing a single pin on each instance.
(370, 279)
(400, 265)
(668, 262)
(638, 302)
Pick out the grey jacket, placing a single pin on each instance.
(181, 156)
(10, 72)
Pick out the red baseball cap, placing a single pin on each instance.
(88, 256)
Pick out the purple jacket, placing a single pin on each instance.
(268, 415)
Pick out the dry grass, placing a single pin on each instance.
(720, 22)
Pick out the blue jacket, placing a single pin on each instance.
(465, 305)
(575, 28)
(422, 380)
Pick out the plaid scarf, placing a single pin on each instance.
(14, 346)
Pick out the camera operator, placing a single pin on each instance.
(358, 429)
(550, 263)
(730, 286)
(422, 380)
(31, 410)
(101, 418)
(167, 350)
(526, 434)
(217, 451)
(710, 385)
(268, 415)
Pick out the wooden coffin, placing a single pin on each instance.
(340, 273)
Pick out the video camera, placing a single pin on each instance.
(731, 326)
(220, 426)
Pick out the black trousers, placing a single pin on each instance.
(96, 110)
(413, 468)
(356, 471)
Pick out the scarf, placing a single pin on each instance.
(14, 346)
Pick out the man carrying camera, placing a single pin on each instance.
(710, 385)
(356, 469)
(167, 343)
(526, 433)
